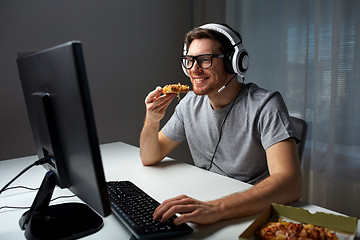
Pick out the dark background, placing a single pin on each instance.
(130, 47)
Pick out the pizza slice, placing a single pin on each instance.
(175, 88)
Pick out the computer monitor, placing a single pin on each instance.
(57, 97)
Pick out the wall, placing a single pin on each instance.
(130, 47)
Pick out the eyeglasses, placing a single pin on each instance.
(203, 60)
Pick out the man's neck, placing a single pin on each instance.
(225, 97)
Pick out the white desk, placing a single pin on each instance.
(122, 162)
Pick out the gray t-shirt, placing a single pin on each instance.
(256, 120)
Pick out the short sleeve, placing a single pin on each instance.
(274, 123)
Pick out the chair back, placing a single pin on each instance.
(301, 129)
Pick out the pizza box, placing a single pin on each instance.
(343, 226)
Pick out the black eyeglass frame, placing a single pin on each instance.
(195, 58)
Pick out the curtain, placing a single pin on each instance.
(309, 51)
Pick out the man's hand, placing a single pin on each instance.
(156, 104)
(191, 210)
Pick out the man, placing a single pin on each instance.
(241, 131)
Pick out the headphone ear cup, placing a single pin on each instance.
(240, 61)
(182, 66)
(243, 62)
(228, 62)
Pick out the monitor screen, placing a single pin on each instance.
(58, 102)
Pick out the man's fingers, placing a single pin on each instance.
(186, 217)
(158, 102)
(153, 95)
(181, 209)
(180, 204)
(166, 203)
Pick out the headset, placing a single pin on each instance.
(237, 61)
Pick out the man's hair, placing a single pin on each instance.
(200, 33)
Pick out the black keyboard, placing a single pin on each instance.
(135, 209)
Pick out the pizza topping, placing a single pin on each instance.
(290, 230)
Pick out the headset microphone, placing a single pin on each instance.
(223, 87)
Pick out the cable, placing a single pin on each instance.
(221, 127)
(15, 187)
(12, 207)
(68, 196)
(15, 207)
(36, 163)
(220, 134)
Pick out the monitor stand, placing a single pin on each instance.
(61, 221)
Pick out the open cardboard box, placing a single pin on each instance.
(343, 226)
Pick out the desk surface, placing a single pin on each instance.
(122, 162)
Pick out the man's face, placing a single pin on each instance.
(210, 80)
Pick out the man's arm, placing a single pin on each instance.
(282, 186)
(154, 145)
